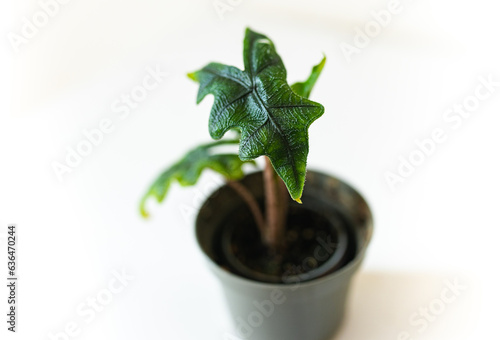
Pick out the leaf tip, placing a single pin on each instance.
(193, 76)
(143, 211)
(298, 200)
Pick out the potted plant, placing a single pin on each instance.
(285, 264)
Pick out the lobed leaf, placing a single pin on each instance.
(272, 118)
(188, 170)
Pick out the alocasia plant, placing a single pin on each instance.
(272, 118)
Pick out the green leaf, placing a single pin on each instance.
(187, 171)
(273, 119)
(304, 88)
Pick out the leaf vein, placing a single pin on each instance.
(281, 134)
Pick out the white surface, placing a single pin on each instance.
(440, 224)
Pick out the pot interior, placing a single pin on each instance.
(315, 244)
(324, 234)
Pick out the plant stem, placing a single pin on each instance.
(272, 226)
(250, 200)
(275, 217)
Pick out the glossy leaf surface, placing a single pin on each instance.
(272, 118)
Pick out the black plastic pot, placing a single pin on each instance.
(309, 306)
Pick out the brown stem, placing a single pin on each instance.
(250, 200)
(274, 235)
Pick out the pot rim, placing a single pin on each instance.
(347, 269)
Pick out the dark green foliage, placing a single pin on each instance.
(272, 118)
(187, 171)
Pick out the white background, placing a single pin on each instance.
(440, 224)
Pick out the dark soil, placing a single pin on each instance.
(311, 241)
